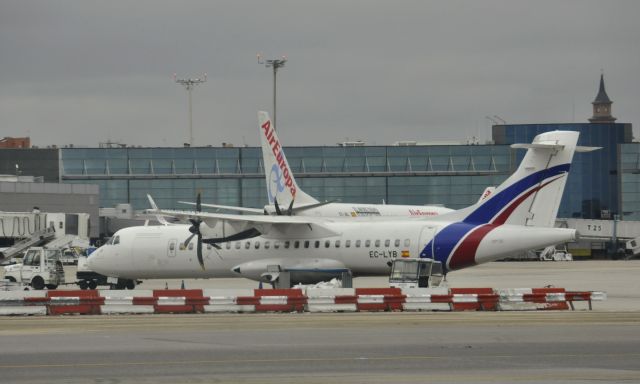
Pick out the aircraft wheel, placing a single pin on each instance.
(37, 283)
(130, 284)
(84, 284)
(52, 286)
(93, 284)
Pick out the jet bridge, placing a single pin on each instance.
(22, 230)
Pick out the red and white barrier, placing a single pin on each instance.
(126, 301)
(426, 299)
(226, 300)
(331, 300)
(13, 303)
(289, 300)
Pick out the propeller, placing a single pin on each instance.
(279, 211)
(195, 231)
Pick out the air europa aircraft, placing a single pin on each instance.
(286, 197)
(516, 217)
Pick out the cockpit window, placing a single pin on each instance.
(116, 240)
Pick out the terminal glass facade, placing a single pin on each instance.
(593, 189)
(630, 191)
(453, 175)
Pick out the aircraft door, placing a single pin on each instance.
(172, 248)
(426, 236)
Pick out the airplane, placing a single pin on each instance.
(517, 216)
(283, 190)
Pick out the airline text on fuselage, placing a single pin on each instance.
(417, 212)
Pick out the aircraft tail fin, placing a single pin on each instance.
(531, 195)
(154, 207)
(281, 185)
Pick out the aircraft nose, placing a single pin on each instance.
(94, 261)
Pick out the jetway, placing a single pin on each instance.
(602, 229)
(21, 230)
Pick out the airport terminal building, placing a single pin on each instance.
(602, 185)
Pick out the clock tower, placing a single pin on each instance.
(602, 106)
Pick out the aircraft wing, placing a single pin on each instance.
(256, 211)
(267, 225)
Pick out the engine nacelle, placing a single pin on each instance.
(301, 271)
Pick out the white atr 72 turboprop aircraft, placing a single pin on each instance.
(516, 217)
(286, 197)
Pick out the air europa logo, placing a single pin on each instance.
(275, 185)
(277, 152)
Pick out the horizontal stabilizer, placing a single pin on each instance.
(540, 145)
(587, 149)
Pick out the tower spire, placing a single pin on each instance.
(602, 106)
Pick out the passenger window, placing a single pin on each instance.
(296, 244)
(337, 243)
(377, 243)
(276, 244)
(182, 247)
(247, 245)
(257, 245)
(317, 244)
(208, 246)
(238, 245)
(286, 244)
(306, 243)
(387, 243)
(367, 243)
(172, 246)
(357, 243)
(407, 242)
(266, 245)
(228, 245)
(397, 243)
(190, 246)
(347, 244)
(327, 244)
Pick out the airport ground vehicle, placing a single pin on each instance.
(40, 268)
(88, 279)
(416, 273)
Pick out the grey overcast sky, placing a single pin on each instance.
(83, 72)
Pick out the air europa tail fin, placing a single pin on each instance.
(281, 185)
(531, 195)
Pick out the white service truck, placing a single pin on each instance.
(40, 268)
(416, 273)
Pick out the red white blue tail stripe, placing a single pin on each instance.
(456, 244)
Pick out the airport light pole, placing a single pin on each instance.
(275, 64)
(189, 84)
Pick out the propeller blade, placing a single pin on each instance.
(198, 203)
(199, 252)
(186, 242)
(275, 203)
